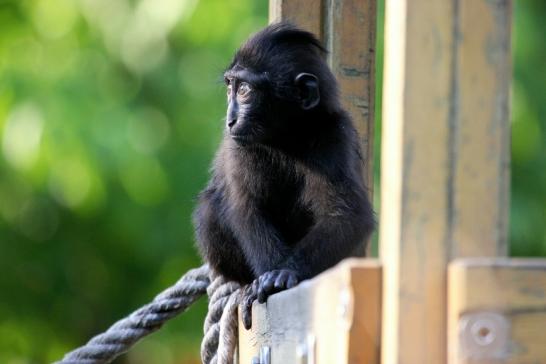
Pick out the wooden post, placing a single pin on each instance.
(497, 311)
(307, 14)
(347, 29)
(349, 35)
(444, 160)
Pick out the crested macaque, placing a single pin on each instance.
(286, 199)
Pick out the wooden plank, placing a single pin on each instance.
(306, 14)
(347, 29)
(480, 129)
(335, 317)
(414, 204)
(497, 311)
(434, 170)
(349, 35)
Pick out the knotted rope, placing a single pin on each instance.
(219, 342)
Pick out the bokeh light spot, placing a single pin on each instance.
(148, 131)
(70, 182)
(54, 18)
(22, 135)
(145, 181)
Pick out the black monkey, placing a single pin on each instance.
(286, 199)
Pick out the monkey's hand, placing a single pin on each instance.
(250, 294)
(264, 286)
(275, 281)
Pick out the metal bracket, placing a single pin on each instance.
(265, 356)
(306, 351)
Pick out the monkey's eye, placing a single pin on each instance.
(244, 89)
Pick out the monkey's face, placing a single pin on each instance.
(257, 112)
(246, 119)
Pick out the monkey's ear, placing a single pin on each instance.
(308, 84)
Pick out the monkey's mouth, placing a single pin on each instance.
(242, 139)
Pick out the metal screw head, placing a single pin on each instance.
(302, 354)
(305, 351)
(483, 335)
(264, 358)
(345, 308)
(265, 355)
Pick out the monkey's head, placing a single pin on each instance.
(277, 84)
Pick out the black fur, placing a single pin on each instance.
(286, 199)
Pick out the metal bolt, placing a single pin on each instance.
(345, 308)
(483, 335)
(265, 355)
(306, 351)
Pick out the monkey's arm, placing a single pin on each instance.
(329, 241)
(216, 240)
(343, 219)
(260, 241)
(264, 251)
(343, 214)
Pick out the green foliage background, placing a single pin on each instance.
(110, 112)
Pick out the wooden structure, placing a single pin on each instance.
(442, 290)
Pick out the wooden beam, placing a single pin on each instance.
(497, 311)
(347, 28)
(444, 181)
(334, 317)
(480, 129)
(349, 35)
(306, 14)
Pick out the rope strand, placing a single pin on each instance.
(219, 342)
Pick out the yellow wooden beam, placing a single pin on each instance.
(306, 14)
(480, 129)
(444, 160)
(497, 311)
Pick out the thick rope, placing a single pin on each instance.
(221, 324)
(220, 339)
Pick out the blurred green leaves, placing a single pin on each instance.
(110, 112)
(528, 210)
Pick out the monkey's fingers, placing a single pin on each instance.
(266, 286)
(292, 280)
(249, 296)
(280, 282)
(246, 315)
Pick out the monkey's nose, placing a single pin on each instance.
(231, 122)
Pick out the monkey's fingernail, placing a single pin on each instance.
(292, 282)
(262, 297)
(247, 323)
(268, 285)
(280, 282)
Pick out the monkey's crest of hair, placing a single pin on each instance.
(265, 44)
(283, 51)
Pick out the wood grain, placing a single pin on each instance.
(514, 289)
(349, 35)
(444, 180)
(306, 14)
(340, 310)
